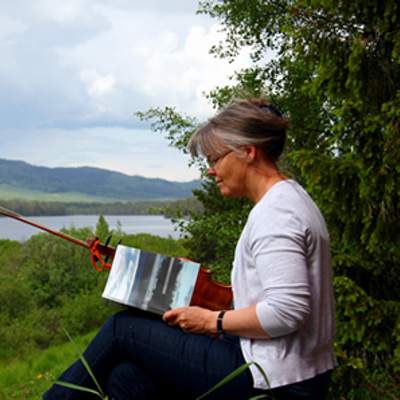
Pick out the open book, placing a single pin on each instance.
(150, 281)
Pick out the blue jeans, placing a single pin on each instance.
(136, 355)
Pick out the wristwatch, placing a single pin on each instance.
(219, 322)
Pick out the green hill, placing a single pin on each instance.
(20, 180)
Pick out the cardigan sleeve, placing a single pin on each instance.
(279, 249)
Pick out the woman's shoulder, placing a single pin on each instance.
(286, 193)
(286, 200)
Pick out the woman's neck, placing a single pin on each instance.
(262, 181)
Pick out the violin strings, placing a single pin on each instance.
(9, 211)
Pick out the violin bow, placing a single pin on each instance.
(96, 248)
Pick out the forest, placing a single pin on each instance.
(55, 208)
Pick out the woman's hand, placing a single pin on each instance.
(192, 319)
(243, 322)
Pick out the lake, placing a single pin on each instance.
(131, 224)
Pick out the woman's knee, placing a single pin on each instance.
(128, 381)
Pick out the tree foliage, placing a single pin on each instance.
(47, 282)
(53, 208)
(335, 73)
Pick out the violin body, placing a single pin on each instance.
(211, 294)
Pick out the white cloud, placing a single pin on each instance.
(80, 68)
(10, 29)
(64, 12)
(182, 74)
(100, 86)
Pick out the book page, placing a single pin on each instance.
(150, 281)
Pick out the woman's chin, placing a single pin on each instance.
(224, 192)
(228, 192)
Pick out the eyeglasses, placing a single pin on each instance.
(213, 160)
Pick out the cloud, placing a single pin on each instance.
(81, 68)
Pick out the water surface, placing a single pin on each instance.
(131, 224)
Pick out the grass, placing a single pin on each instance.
(31, 377)
(8, 192)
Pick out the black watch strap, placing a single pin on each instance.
(219, 322)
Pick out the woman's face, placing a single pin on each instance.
(229, 170)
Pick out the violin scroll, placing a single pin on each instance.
(103, 249)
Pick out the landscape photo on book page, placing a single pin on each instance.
(150, 281)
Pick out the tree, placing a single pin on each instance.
(336, 74)
(102, 229)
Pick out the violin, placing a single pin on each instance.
(207, 293)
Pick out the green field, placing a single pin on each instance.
(31, 377)
(8, 192)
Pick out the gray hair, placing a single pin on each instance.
(249, 121)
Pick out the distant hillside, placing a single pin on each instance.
(21, 180)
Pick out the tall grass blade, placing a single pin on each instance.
(233, 375)
(224, 381)
(86, 366)
(72, 386)
(262, 373)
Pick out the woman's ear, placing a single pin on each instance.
(250, 152)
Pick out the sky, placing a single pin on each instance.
(74, 72)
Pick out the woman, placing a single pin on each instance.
(283, 318)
